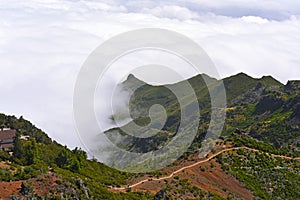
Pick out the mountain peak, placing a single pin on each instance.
(239, 75)
(130, 77)
(242, 74)
(131, 81)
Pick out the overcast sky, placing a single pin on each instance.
(43, 44)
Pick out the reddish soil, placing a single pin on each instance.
(42, 186)
(211, 180)
(207, 176)
(4, 165)
(9, 188)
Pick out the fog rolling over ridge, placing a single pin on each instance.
(140, 102)
(43, 45)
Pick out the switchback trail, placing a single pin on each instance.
(197, 163)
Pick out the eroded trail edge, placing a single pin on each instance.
(197, 163)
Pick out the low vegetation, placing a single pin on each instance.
(262, 114)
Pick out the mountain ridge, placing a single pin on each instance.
(240, 74)
(262, 114)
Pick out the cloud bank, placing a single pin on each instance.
(44, 43)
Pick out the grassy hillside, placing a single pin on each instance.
(263, 110)
(252, 105)
(78, 177)
(262, 114)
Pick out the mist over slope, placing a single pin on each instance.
(262, 114)
(260, 99)
(261, 107)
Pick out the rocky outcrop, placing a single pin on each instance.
(292, 85)
(268, 104)
(161, 195)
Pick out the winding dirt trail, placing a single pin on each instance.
(197, 163)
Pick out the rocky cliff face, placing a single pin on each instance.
(293, 85)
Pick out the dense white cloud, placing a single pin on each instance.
(271, 9)
(172, 12)
(43, 44)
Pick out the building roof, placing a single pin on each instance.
(7, 146)
(7, 134)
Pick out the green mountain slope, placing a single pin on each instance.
(261, 113)
(78, 177)
(251, 102)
